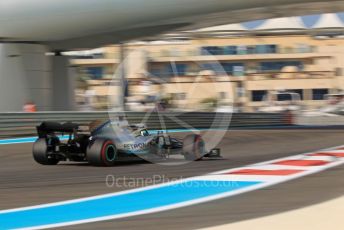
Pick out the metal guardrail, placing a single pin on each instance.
(319, 120)
(23, 124)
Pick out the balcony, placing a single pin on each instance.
(321, 74)
(94, 62)
(196, 55)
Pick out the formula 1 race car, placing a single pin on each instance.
(108, 142)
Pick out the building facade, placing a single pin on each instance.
(238, 69)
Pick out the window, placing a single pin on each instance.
(177, 69)
(238, 70)
(218, 69)
(319, 94)
(235, 69)
(258, 95)
(242, 50)
(284, 97)
(290, 95)
(278, 66)
(251, 49)
(298, 91)
(95, 72)
(155, 72)
(260, 49)
(89, 56)
(212, 50)
(272, 49)
(266, 49)
(230, 50)
(181, 69)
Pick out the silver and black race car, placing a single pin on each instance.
(105, 143)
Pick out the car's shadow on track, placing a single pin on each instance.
(118, 164)
(128, 163)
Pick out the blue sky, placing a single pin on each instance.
(309, 20)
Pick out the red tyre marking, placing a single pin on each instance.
(302, 162)
(281, 172)
(103, 157)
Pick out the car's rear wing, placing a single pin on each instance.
(49, 127)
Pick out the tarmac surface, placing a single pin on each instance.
(25, 183)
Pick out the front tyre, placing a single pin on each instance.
(193, 147)
(102, 152)
(41, 153)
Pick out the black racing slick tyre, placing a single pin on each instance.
(40, 153)
(193, 147)
(102, 152)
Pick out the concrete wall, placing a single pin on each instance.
(63, 84)
(25, 75)
(28, 75)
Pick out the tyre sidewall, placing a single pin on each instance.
(98, 155)
(40, 150)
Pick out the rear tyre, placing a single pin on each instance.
(41, 150)
(102, 152)
(193, 147)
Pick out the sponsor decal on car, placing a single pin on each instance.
(136, 146)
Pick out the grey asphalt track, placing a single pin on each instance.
(23, 182)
